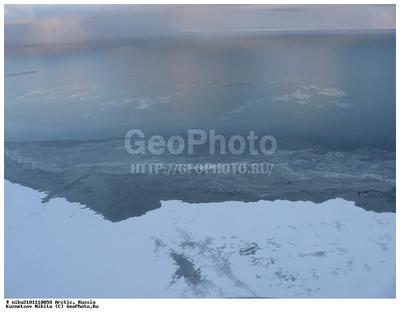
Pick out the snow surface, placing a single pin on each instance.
(229, 249)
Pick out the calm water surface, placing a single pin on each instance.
(337, 90)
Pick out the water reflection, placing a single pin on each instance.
(336, 90)
(332, 90)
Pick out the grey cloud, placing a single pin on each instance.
(31, 24)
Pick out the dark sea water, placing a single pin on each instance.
(330, 89)
(327, 98)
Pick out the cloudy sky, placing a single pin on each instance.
(33, 24)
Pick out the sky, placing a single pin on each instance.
(46, 24)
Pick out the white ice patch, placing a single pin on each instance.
(81, 96)
(298, 95)
(141, 103)
(145, 103)
(229, 249)
(283, 98)
(333, 92)
(312, 92)
(36, 94)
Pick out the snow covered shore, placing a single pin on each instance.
(228, 249)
